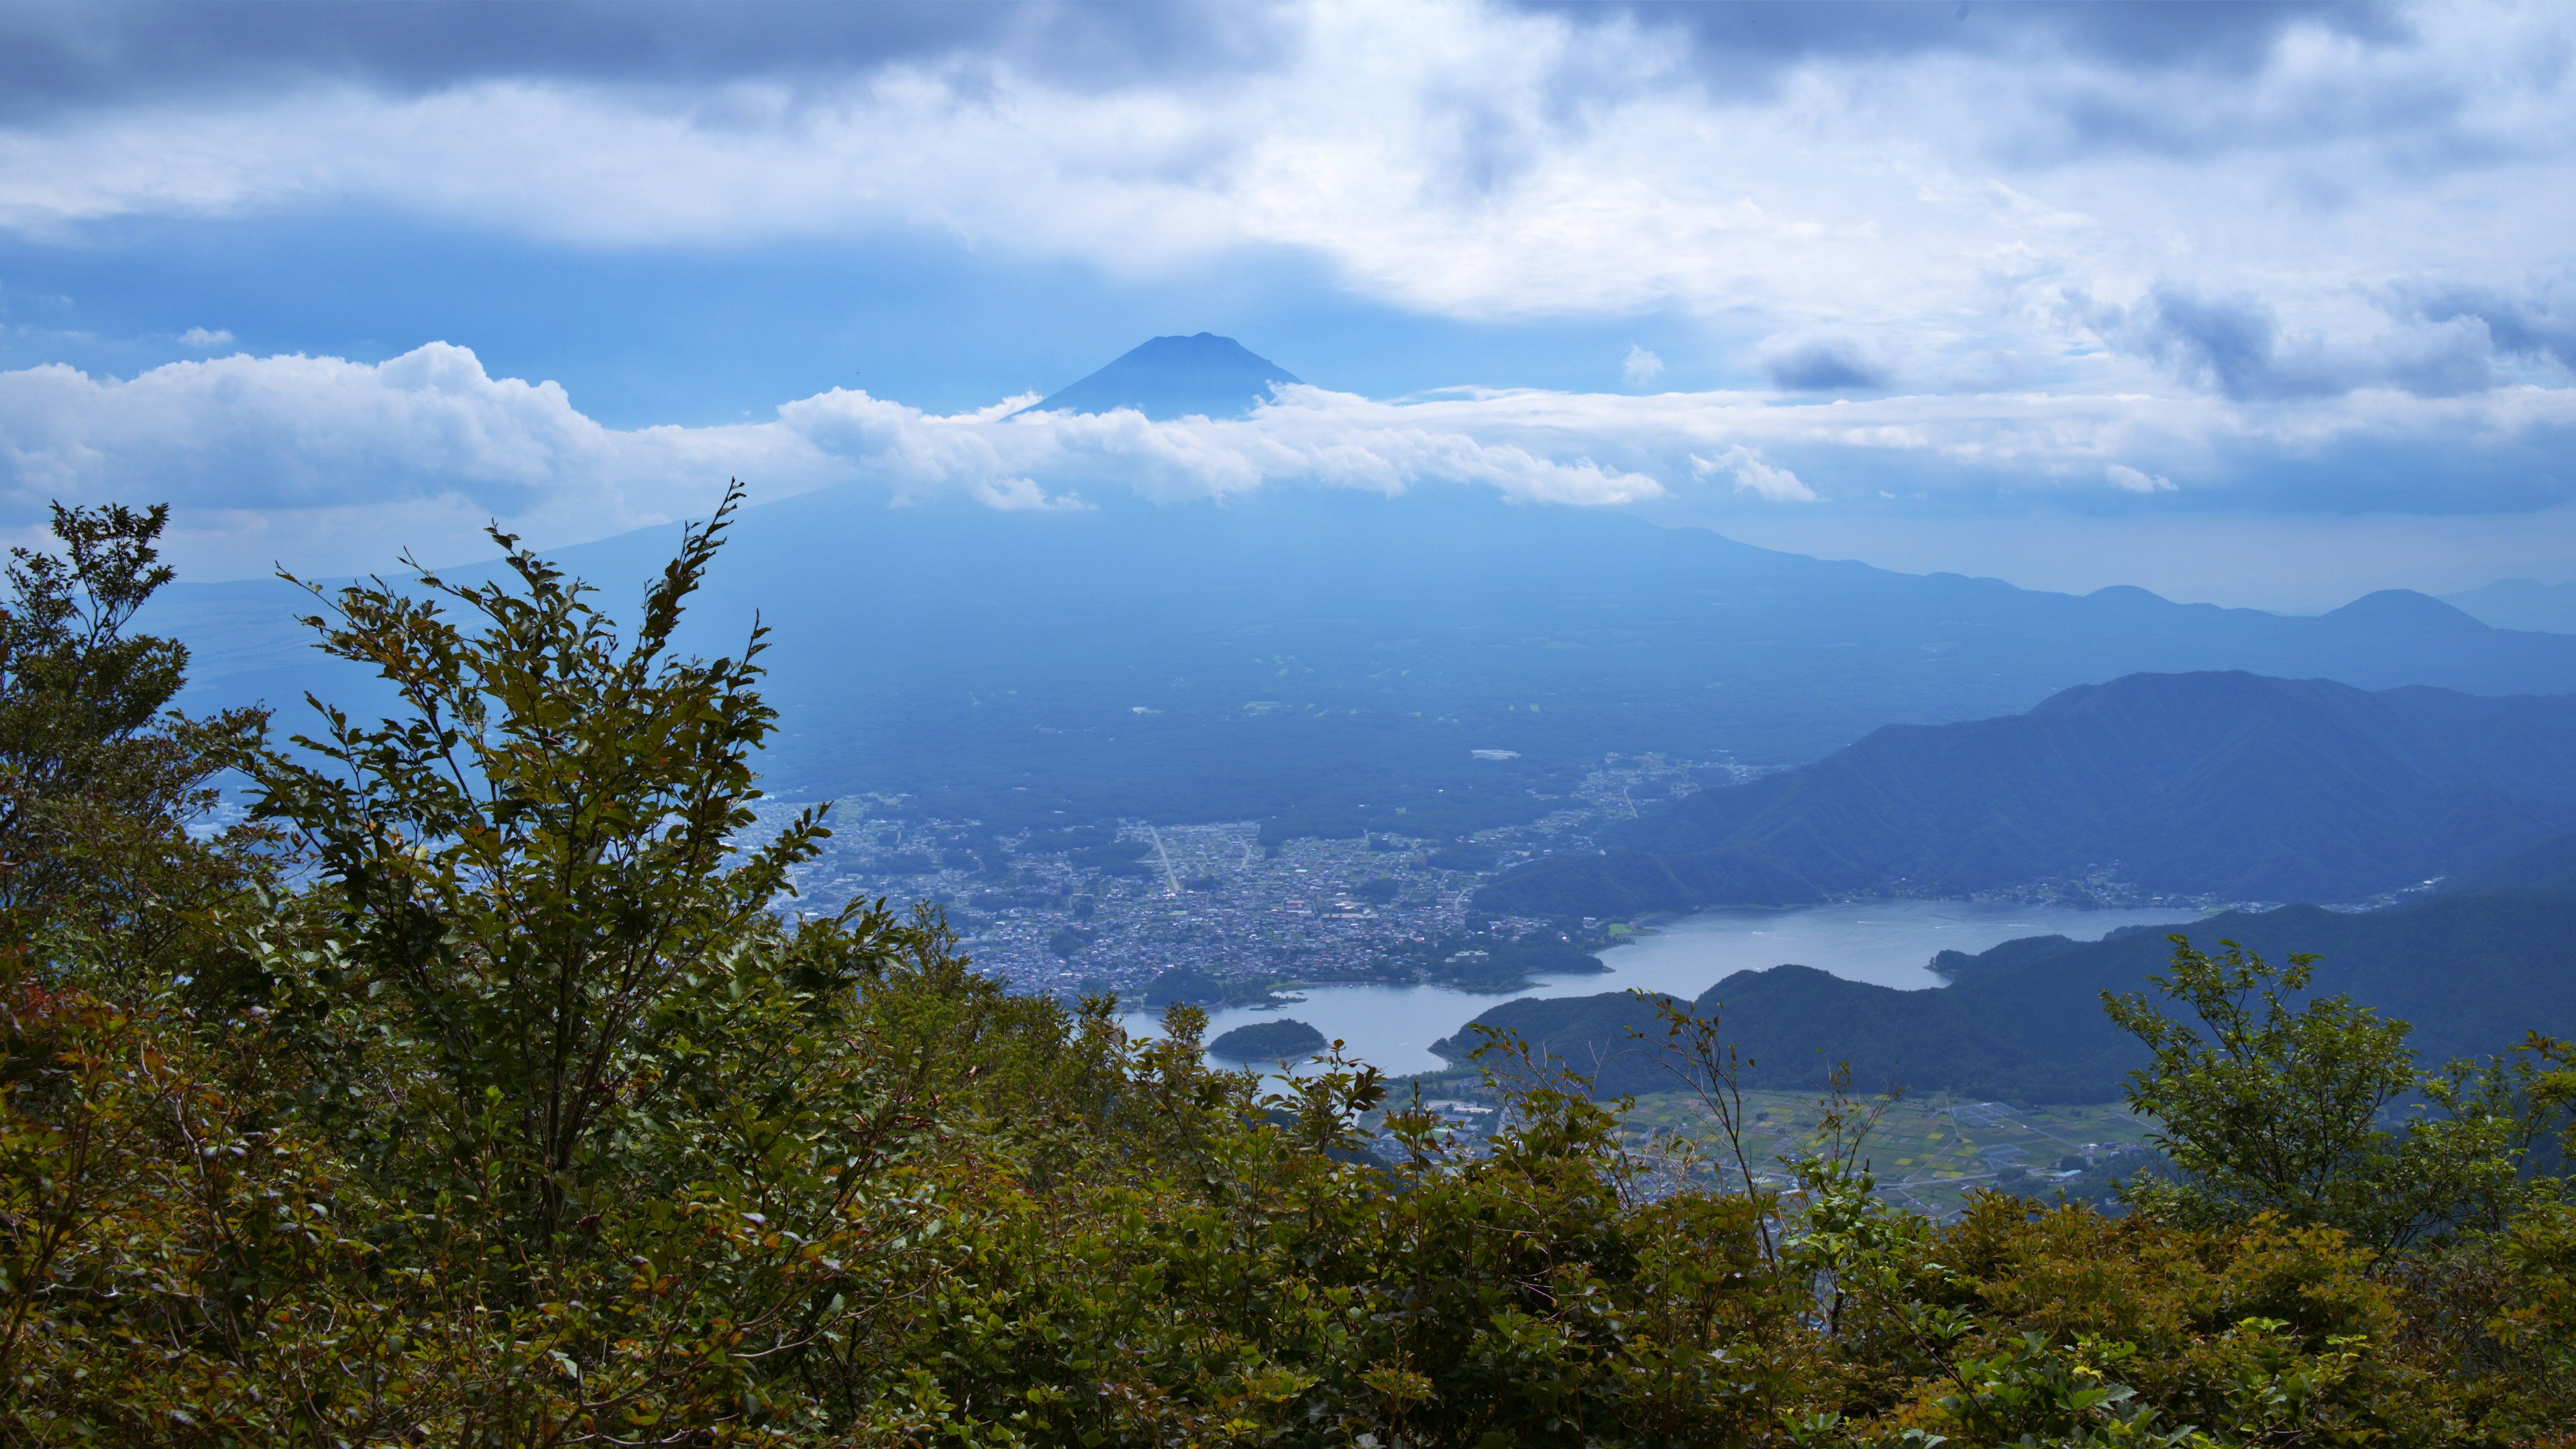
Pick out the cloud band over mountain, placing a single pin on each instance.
(329, 463)
(1878, 264)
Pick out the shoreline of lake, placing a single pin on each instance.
(1884, 942)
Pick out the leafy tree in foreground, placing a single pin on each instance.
(2263, 1108)
(97, 784)
(528, 1120)
(629, 1117)
(535, 871)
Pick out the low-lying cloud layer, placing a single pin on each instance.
(332, 465)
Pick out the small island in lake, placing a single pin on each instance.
(1268, 1041)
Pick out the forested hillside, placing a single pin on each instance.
(2224, 784)
(481, 1090)
(2470, 970)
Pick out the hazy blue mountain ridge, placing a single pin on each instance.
(2471, 971)
(2521, 604)
(2222, 783)
(1322, 659)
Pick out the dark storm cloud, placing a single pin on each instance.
(2093, 76)
(1825, 364)
(1744, 41)
(2234, 344)
(2537, 326)
(59, 56)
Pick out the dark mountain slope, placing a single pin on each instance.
(1623, 884)
(1176, 377)
(1322, 658)
(2472, 972)
(2546, 869)
(2219, 783)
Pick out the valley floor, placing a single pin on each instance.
(1215, 899)
(1928, 1153)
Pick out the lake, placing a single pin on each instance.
(1885, 942)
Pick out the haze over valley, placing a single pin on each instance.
(1232, 751)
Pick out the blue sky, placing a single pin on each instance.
(2257, 304)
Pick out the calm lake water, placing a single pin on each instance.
(1886, 942)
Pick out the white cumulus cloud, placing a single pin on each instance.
(1968, 213)
(1755, 474)
(1641, 367)
(331, 465)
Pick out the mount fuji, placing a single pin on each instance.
(1176, 377)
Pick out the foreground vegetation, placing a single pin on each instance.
(476, 1093)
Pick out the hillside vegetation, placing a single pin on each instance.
(2023, 1021)
(475, 1094)
(2226, 784)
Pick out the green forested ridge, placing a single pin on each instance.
(1264, 1041)
(2009, 956)
(476, 1097)
(2223, 784)
(2023, 1021)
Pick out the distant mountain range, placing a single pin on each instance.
(2226, 784)
(1332, 660)
(2521, 604)
(1176, 377)
(2471, 970)
(1325, 659)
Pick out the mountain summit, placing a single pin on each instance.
(1176, 377)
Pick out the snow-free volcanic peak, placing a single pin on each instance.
(1176, 377)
